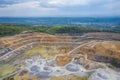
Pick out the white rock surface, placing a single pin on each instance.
(105, 74)
(45, 68)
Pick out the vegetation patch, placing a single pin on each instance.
(69, 77)
(45, 51)
(6, 69)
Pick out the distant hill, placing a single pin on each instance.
(64, 21)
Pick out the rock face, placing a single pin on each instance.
(105, 51)
(63, 60)
(113, 61)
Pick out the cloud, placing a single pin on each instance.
(61, 3)
(30, 8)
(68, 3)
(55, 3)
(59, 8)
(5, 3)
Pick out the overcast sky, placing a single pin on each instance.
(58, 8)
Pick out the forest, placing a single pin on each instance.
(12, 29)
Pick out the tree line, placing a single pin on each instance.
(10, 29)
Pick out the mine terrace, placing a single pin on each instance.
(60, 56)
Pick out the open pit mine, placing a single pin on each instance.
(41, 56)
